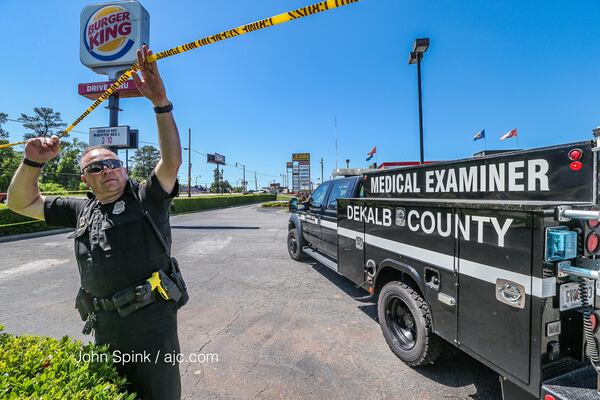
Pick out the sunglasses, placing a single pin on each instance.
(98, 166)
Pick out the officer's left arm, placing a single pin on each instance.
(153, 88)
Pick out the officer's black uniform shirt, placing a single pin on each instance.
(115, 246)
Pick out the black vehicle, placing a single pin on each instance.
(495, 255)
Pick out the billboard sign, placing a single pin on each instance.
(111, 33)
(289, 165)
(304, 175)
(301, 157)
(115, 136)
(215, 158)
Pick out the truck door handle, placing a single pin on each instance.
(511, 293)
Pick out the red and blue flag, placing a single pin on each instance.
(371, 153)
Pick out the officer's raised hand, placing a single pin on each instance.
(41, 149)
(150, 84)
(152, 87)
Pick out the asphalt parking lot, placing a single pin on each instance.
(281, 329)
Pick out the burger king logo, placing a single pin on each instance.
(107, 34)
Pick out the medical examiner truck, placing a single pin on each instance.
(496, 255)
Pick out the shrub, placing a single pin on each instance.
(188, 204)
(35, 367)
(7, 217)
(52, 188)
(276, 204)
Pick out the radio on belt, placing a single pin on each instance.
(497, 255)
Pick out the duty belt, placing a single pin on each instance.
(126, 301)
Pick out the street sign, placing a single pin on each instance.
(116, 136)
(93, 90)
(110, 34)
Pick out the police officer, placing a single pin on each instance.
(116, 248)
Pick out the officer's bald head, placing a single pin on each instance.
(95, 153)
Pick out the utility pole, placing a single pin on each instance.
(321, 169)
(255, 182)
(189, 162)
(244, 185)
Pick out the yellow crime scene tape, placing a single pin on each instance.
(228, 34)
(22, 223)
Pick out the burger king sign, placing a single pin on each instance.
(110, 35)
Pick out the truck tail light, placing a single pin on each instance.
(592, 242)
(593, 321)
(576, 165)
(593, 223)
(549, 397)
(575, 154)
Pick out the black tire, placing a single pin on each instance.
(406, 325)
(294, 245)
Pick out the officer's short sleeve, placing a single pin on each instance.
(62, 211)
(150, 190)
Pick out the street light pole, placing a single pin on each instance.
(189, 162)
(416, 55)
(419, 57)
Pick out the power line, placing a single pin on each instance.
(157, 145)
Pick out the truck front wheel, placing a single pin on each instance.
(294, 245)
(406, 324)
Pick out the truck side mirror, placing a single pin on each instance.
(293, 207)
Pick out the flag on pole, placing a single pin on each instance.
(479, 135)
(512, 133)
(371, 153)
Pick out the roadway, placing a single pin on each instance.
(281, 329)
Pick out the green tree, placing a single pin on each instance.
(44, 122)
(144, 159)
(67, 168)
(9, 158)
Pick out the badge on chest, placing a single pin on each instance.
(119, 207)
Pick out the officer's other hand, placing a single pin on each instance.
(41, 149)
(150, 84)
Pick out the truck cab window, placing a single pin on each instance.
(338, 190)
(317, 198)
(361, 191)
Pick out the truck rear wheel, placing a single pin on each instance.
(406, 325)
(294, 245)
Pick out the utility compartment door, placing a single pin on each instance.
(494, 294)
(351, 243)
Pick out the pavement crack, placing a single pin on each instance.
(203, 283)
(259, 393)
(222, 331)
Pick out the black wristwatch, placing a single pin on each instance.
(164, 109)
(32, 163)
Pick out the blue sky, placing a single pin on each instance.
(257, 98)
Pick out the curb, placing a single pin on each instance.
(32, 235)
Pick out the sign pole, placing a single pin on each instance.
(113, 108)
